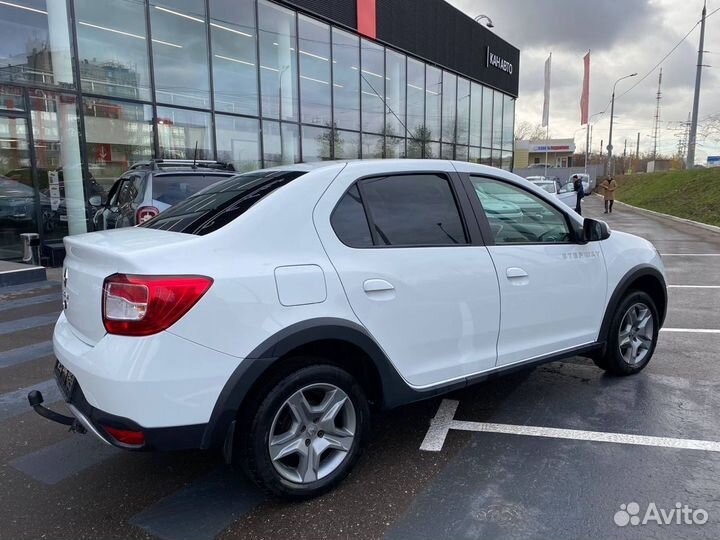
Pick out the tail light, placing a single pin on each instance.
(126, 436)
(143, 305)
(145, 213)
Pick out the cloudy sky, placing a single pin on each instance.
(624, 36)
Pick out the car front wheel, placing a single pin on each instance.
(632, 336)
(307, 432)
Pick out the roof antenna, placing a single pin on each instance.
(195, 156)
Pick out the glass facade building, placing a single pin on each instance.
(89, 87)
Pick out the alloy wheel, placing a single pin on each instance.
(636, 333)
(312, 433)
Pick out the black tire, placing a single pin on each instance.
(253, 452)
(611, 359)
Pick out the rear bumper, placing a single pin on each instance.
(155, 383)
(89, 419)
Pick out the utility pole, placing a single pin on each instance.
(637, 148)
(624, 155)
(656, 130)
(696, 100)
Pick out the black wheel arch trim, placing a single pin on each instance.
(394, 388)
(621, 290)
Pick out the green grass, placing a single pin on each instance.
(693, 194)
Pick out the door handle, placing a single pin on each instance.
(377, 285)
(515, 272)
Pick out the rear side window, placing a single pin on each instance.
(350, 222)
(413, 210)
(217, 205)
(172, 189)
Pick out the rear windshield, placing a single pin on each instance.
(217, 205)
(172, 189)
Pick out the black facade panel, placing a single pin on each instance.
(340, 11)
(440, 33)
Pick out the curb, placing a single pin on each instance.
(712, 228)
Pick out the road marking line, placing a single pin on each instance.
(25, 354)
(690, 254)
(14, 403)
(28, 322)
(31, 301)
(692, 330)
(438, 437)
(693, 286)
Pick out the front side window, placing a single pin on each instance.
(413, 210)
(519, 217)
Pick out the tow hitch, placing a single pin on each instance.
(35, 398)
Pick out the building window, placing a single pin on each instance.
(315, 88)
(180, 132)
(394, 94)
(102, 69)
(346, 79)
(373, 146)
(372, 75)
(234, 58)
(117, 135)
(179, 44)
(433, 103)
(238, 141)
(487, 117)
(475, 114)
(447, 151)
(278, 61)
(346, 144)
(394, 147)
(55, 129)
(36, 46)
(415, 99)
(317, 143)
(497, 130)
(474, 154)
(508, 121)
(462, 153)
(281, 143)
(463, 111)
(449, 106)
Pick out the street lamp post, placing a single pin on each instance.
(489, 22)
(611, 168)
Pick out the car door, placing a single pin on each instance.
(552, 288)
(416, 275)
(121, 208)
(567, 194)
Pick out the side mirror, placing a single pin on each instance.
(594, 230)
(95, 200)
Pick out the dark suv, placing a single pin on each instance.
(149, 187)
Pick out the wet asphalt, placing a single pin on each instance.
(55, 484)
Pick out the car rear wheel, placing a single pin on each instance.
(632, 336)
(306, 432)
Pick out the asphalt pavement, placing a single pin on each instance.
(538, 475)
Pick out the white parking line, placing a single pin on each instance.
(444, 422)
(693, 286)
(692, 330)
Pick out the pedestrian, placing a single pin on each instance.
(609, 185)
(579, 192)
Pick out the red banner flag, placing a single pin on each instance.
(585, 98)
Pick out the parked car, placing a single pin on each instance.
(150, 187)
(17, 203)
(551, 186)
(587, 181)
(268, 314)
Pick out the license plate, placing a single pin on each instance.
(65, 379)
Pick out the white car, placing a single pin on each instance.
(270, 313)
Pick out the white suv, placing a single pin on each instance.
(268, 314)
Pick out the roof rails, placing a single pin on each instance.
(160, 164)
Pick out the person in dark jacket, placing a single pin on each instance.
(580, 193)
